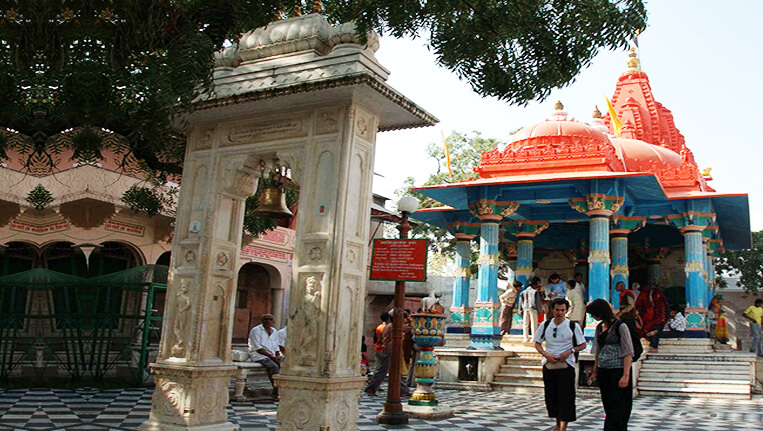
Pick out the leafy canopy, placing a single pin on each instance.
(747, 264)
(465, 153)
(71, 68)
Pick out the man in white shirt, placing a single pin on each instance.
(581, 285)
(531, 304)
(264, 348)
(562, 338)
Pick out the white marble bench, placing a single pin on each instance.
(244, 369)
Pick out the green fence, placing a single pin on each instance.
(61, 330)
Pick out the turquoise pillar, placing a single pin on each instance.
(619, 270)
(486, 331)
(598, 256)
(460, 312)
(694, 256)
(599, 208)
(524, 260)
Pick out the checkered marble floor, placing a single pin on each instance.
(125, 409)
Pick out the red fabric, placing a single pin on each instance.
(379, 342)
(623, 293)
(650, 305)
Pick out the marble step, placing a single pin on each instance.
(688, 383)
(692, 393)
(695, 365)
(518, 388)
(525, 370)
(518, 378)
(522, 362)
(662, 374)
(700, 357)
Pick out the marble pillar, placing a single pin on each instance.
(460, 312)
(321, 125)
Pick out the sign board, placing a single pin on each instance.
(399, 260)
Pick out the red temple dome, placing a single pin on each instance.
(556, 145)
(638, 154)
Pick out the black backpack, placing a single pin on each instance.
(574, 337)
(638, 349)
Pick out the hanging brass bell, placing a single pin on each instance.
(272, 204)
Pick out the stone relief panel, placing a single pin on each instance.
(315, 252)
(364, 125)
(327, 121)
(170, 398)
(180, 318)
(304, 321)
(357, 207)
(204, 138)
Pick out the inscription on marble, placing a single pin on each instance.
(267, 131)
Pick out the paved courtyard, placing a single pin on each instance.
(125, 409)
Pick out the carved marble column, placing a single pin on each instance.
(486, 330)
(193, 368)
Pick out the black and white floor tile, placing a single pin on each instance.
(126, 409)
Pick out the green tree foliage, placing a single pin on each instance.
(747, 264)
(465, 153)
(134, 67)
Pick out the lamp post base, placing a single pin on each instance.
(439, 411)
(392, 418)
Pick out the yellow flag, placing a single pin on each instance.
(616, 123)
(447, 153)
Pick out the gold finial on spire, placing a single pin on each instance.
(633, 61)
(297, 9)
(596, 112)
(317, 6)
(558, 105)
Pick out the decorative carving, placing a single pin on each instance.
(190, 256)
(598, 256)
(362, 126)
(326, 122)
(315, 253)
(182, 305)
(204, 139)
(488, 259)
(306, 318)
(169, 399)
(462, 272)
(351, 257)
(282, 128)
(221, 259)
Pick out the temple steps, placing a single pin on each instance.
(695, 372)
(521, 374)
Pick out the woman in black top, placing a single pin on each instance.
(613, 350)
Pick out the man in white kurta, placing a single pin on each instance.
(264, 342)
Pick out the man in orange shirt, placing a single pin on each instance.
(379, 347)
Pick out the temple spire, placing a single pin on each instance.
(633, 60)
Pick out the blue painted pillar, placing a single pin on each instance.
(694, 256)
(524, 260)
(486, 331)
(598, 255)
(460, 312)
(619, 271)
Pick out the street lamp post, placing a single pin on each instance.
(393, 413)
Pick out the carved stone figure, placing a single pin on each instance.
(307, 321)
(182, 305)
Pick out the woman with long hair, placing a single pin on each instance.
(613, 353)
